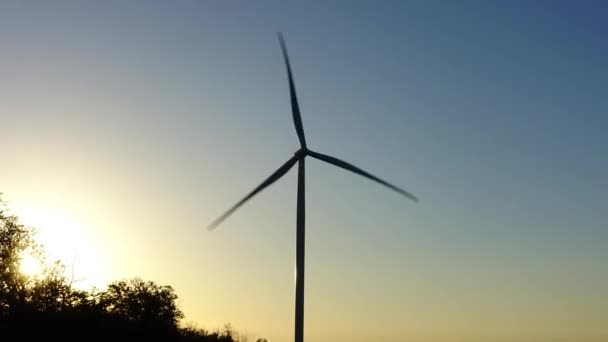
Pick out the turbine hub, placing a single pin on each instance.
(301, 153)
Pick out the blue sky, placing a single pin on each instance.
(148, 119)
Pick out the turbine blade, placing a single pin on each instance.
(295, 108)
(271, 179)
(352, 168)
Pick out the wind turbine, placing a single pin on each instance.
(299, 157)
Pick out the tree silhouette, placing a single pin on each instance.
(143, 301)
(15, 239)
(54, 293)
(47, 307)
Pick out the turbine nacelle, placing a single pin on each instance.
(301, 153)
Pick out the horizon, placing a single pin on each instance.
(129, 128)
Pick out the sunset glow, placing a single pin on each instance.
(30, 265)
(65, 240)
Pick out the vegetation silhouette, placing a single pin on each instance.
(48, 307)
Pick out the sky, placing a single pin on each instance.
(127, 127)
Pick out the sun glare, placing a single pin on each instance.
(65, 240)
(30, 265)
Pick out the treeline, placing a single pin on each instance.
(48, 307)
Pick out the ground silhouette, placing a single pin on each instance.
(49, 308)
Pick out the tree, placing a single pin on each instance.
(143, 301)
(15, 239)
(54, 292)
(19, 293)
(47, 307)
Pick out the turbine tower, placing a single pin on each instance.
(299, 157)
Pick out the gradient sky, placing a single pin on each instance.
(128, 126)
